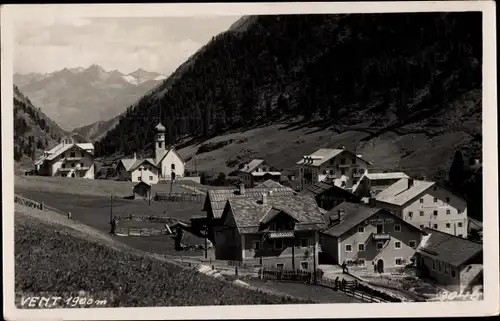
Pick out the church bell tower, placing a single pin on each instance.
(159, 142)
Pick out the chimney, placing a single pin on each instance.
(264, 199)
(341, 214)
(242, 189)
(410, 183)
(371, 202)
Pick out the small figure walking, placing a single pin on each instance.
(343, 284)
(336, 283)
(344, 267)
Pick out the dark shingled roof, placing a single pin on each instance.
(354, 214)
(248, 212)
(322, 187)
(449, 248)
(219, 197)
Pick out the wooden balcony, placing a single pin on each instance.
(82, 168)
(73, 158)
(281, 234)
(381, 236)
(65, 169)
(356, 175)
(344, 165)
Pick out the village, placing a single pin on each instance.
(329, 220)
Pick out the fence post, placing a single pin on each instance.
(69, 215)
(236, 270)
(41, 206)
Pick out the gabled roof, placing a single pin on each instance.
(142, 183)
(61, 148)
(322, 187)
(249, 213)
(265, 173)
(171, 149)
(270, 184)
(219, 197)
(355, 214)
(449, 248)
(139, 162)
(399, 193)
(475, 224)
(383, 176)
(323, 155)
(248, 168)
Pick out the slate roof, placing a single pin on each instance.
(354, 214)
(250, 212)
(323, 155)
(61, 148)
(322, 187)
(399, 193)
(248, 168)
(382, 176)
(219, 197)
(269, 184)
(265, 173)
(449, 248)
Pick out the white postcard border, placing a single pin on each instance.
(490, 304)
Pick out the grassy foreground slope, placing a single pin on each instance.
(52, 256)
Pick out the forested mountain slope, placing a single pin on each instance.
(402, 89)
(33, 130)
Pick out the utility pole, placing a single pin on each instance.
(206, 235)
(171, 182)
(111, 212)
(314, 258)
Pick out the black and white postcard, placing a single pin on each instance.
(219, 161)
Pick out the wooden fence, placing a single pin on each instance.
(38, 205)
(150, 218)
(179, 197)
(135, 231)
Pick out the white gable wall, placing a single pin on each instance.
(166, 165)
(149, 174)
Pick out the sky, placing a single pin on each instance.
(154, 43)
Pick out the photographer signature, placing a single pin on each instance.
(456, 296)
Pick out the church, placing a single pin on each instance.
(167, 164)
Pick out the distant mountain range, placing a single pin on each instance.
(76, 97)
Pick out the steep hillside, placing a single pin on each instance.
(33, 130)
(403, 89)
(77, 96)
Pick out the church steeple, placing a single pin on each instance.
(159, 142)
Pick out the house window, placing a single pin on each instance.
(272, 226)
(421, 201)
(397, 244)
(447, 225)
(72, 165)
(331, 172)
(255, 245)
(361, 247)
(435, 226)
(439, 266)
(435, 199)
(280, 266)
(82, 165)
(172, 166)
(460, 235)
(453, 274)
(361, 262)
(448, 212)
(413, 244)
(380, 245)
(342, 161)
(422, 226)
(354, 161)
(397, 227)
(342, 171)
(354, 171)
(304, 265)
(304, 242)
(434, 265)
(150, 178)
(447, 200)
(399, 261)
(435, 213)
(139, 178)
(361, 229)
(278, 244)
(446, 269)
(421, 213)
(63, 166)
(460, 224)
(348, 248)
(72, 154)
(410, 214)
